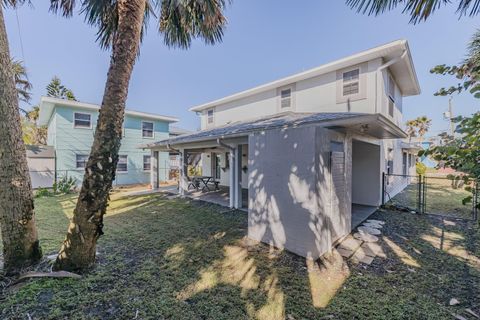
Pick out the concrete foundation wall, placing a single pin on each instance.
(291, 204)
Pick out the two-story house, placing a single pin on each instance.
(71, 126)
(308, 151)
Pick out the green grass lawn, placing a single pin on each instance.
(177, 259)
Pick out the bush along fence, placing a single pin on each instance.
(446, 195)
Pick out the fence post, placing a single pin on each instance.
(383, 188)
(419, 203)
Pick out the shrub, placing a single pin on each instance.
(65, 185)
(43, 192)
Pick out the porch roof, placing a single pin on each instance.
(375, 125)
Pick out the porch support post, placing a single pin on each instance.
(154, 169)
(183, 183)
(233, 185)
(238, 176)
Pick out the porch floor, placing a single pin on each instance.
(220, 197)
(361, 213)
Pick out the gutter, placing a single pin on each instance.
(222, 144)
(381, 68)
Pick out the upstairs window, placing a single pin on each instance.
(81, 161)
(147, 129)
(82, 120)
(147, 164)
(351, 82)
(391, 96)
(210, 116)
(122, 165)
(286, 98)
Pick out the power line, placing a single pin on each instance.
(20, 36)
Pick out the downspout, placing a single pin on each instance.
(222, 144)
(380, 69)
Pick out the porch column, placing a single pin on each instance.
(183, 183)
(154, 169)
(233, 185)
(238, 176)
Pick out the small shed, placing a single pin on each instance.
(41, 165)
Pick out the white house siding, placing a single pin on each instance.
(290, 190)
(42, 172)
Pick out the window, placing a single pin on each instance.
(82, 120)
(210, 116)
(351, 82)
(391, 96)
(390, 161)
(81, 161)
(147, 129)
(147, 162)
(286, 98)
(404, 164)
(122, 164)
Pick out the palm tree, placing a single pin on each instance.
(17, 216)
(411, 129)
(121, 25)
(419, 10)
(21, 81)
(423, 125)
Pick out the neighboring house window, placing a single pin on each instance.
(122, 163)
(390, 161)
(81, 161)
(286, 98)
(82, 120)
(404, 164)
(391, 96)
(147, 129)
(147, 162)
(210, 116)
(351, 82)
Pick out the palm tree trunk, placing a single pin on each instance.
(17, 216)
(79, 248)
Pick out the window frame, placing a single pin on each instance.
(359, 80)
(210, 117)
(84, 161)
(391, 96)
(153, 130)
(75, 126)
(126, 163)
(292, 88)
(149, 162)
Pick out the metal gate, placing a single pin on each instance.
(433, 194)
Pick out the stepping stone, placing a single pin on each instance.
(375, 248)
(372, 225)
(362, 257)
(376, 221)
(346, 253)
(350, 243)
(365, 237)
(365, 250)
(368, 230)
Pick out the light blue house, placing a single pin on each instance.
(71, 127)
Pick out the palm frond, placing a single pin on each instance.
(13, 3)
(22, 84)
(418, 10)
(181, 21)
(66, 7)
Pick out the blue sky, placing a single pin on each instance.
(265, 40)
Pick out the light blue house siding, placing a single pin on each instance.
(70, 142)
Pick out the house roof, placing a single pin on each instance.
(48, 104)
(176, 131)
(403, 71)
(376, 125)
(36, 151)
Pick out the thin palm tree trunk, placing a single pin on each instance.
(17, 216)
(79, 248)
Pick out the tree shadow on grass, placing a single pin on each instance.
(180, 260)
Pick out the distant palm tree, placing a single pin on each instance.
(21, 81)
(121, 26)
(423, 125)
(419, 10)
(17, 217)
(411, 129)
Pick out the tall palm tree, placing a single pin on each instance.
(411, 129)
(121, 25)
(423, 125)
(419, 10)
(17, 216)
(22, 84)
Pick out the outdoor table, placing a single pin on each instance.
(205, 180)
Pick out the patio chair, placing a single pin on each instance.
(194, 183)
(215, 183)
